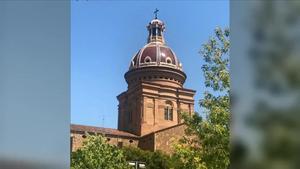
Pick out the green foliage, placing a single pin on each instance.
(208, 146)
(188, 157)
(97, 154)
(153, 160)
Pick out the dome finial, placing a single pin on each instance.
(156, 12)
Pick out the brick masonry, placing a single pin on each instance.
(162, 140)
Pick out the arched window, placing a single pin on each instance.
(168, 111)
(169, 60)
(147, 59)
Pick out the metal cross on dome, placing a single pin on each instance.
(155, 12)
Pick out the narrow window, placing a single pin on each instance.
(171, 114)
(168, 113)
(159, 31)
(129, 117)
(154, 31)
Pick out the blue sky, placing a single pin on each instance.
(106, 34)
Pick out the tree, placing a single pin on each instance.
(208, 144)
(97, 154)
(153, 160)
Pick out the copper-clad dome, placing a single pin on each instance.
(155, 52)
(155, 62)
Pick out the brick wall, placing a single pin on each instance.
(162, 140)
(147, 142)
(165, 139)
(78, 138)
(76, 141)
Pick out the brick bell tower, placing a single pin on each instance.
(155, 93)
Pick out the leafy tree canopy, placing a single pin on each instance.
(97, 154)
(153, 160)
(208, 146)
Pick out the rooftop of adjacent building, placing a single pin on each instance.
(110, 131)
(100, 130)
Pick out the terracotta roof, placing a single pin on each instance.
(102, 130)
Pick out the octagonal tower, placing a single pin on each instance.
(155, 93)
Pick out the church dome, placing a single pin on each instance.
(155, 52)
(155, 62)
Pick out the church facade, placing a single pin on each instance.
(148, 111)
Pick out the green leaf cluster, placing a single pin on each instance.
(97, 154)
(153, 160)
(208, 144)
